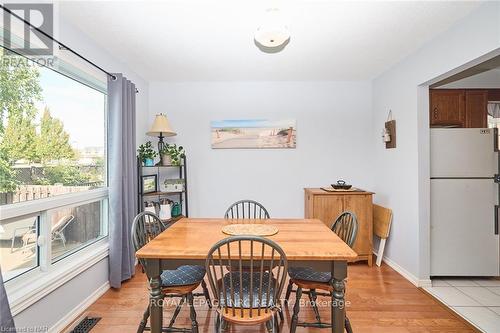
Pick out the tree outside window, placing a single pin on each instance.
(35, 147)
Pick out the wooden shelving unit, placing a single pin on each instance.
(181, 197)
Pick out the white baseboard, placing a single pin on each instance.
(420, 283)
(424, 283)
(65, 321)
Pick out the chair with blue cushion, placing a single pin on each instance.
(248, 209)
(180, 282)
(246, 275)
(309, 280)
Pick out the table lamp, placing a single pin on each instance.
(161, 128)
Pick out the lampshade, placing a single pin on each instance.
(161, 126)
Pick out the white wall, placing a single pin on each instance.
(488, 79)
(333, 140)
(62, 301)
(401, 174)
(79, 42)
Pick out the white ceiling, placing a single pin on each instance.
(195, 40)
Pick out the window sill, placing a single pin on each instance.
(24, 291)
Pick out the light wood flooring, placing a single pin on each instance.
(381, 301)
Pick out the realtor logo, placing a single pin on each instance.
(35, 43)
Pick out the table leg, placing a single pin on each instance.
(339, 273)
(155, 296)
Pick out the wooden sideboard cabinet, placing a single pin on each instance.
(327, 206)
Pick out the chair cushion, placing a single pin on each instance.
(182, 276)
(246, 290)
(308, 274)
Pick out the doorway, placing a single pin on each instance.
(461, 258)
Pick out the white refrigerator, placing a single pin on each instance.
(464, 202)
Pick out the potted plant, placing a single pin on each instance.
(147, 154)
(172, 154)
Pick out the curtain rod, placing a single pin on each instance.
(61, 45)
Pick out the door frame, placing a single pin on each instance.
(423, 139)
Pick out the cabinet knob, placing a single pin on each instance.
(435, 113)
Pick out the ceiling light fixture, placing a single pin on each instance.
(272, 36)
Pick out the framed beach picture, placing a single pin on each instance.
(149, 183)
(253, 133)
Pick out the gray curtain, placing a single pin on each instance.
(6, 321)
(122, 178)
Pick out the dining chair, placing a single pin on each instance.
(308, 280)
(180, 282)
(246, 209)
(246, 297)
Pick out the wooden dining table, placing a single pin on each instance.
(306, 242)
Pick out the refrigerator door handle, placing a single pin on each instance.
(496, 219)
(496, 138)
(496, 177)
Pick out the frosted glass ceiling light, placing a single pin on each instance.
(272, 36)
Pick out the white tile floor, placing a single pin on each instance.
(475, 299)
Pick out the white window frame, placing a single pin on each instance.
(32, 285)
(27, 288)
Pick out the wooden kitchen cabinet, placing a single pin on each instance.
(460, 107)
(327, 206)
(493, 94)
(447, 107)
(476, 108)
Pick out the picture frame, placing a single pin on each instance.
(254, 134)
(149, 184)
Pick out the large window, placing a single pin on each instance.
(52, 133)
(52, 165)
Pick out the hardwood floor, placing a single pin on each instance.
(380, 299)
